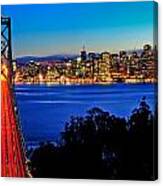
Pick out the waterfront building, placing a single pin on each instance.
(138, 66)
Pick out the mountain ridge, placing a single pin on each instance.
(50, 58)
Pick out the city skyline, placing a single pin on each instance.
(100, 27)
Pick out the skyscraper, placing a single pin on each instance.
(83, 54)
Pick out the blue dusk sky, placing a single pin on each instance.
(64, 28)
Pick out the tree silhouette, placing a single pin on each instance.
(101, 145)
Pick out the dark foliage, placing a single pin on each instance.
(101, 146)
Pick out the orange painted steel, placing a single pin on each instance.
(13, 162)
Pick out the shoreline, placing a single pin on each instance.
(82, 84)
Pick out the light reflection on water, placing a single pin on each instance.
(44, 109)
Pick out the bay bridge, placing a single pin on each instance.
(13, 153)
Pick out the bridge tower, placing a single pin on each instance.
(13, 161)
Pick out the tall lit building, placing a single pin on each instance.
(104, 67)
(83, 54)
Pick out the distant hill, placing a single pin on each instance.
(139, 51)
(59, 57)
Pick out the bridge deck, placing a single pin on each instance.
(12, 157)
